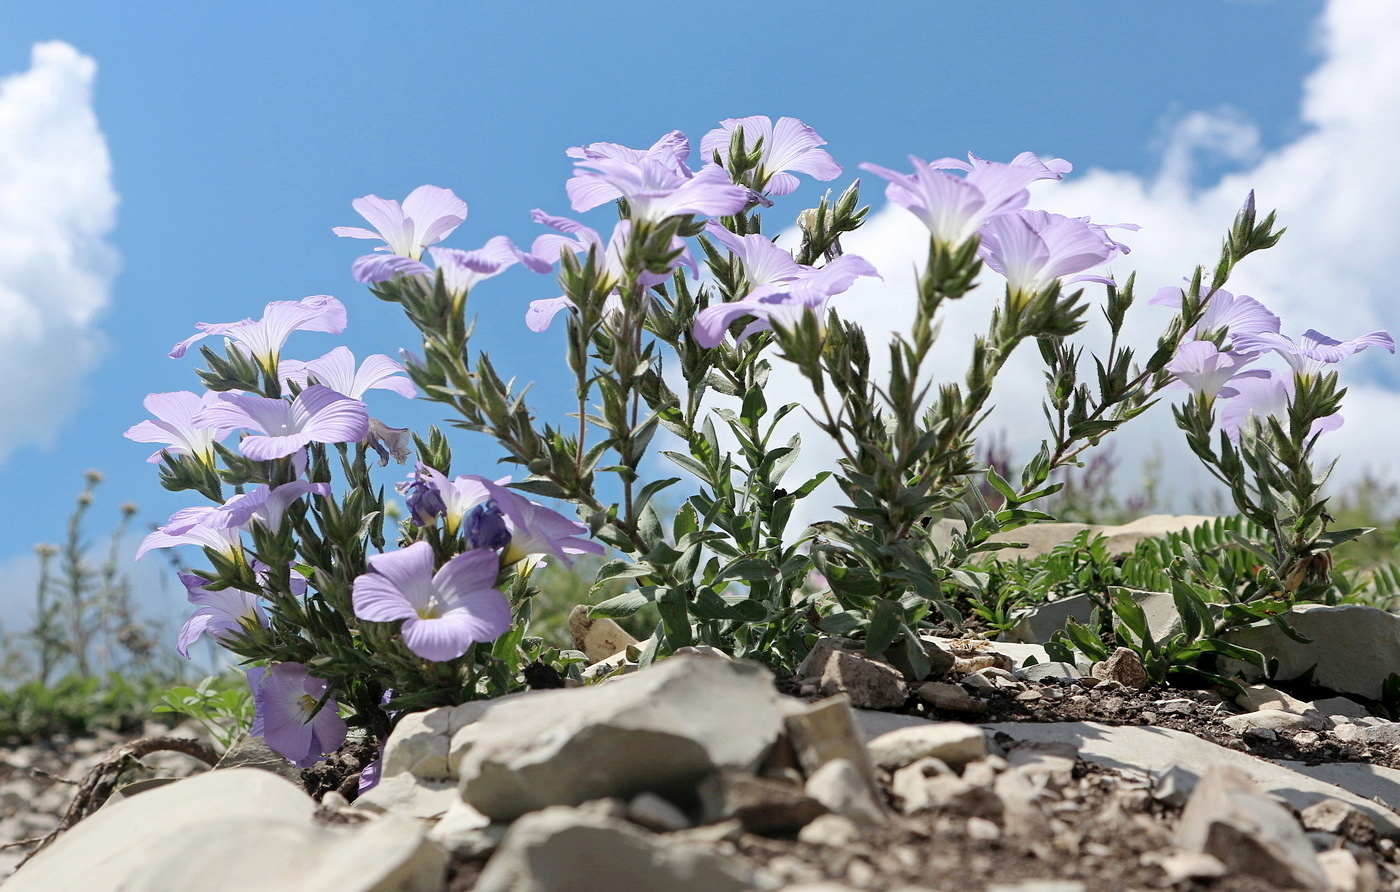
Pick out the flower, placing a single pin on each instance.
(1205, 369)
(954, 208)
(532, 528)
(337, 371)
(284, 697)
(262, 504)
(790, 145)
(612, 257)
(461, 270)
(427, 216)
(1235, 314)
(656, 183)
(1034, 249)
(317, 415)
(1262, 397)
(1316, 350)
(444, 613)
(174, 426)
(789, 293)
(265, 337)
(189, 526)
(221, 614)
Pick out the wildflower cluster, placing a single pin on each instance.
(335, 618)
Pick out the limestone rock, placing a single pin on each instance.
(869, 683)
(844, 790)
(953, 743)
(763, 806)
(421, 741)
(951, 698)
(410, 796)
(248, 751)
(1354, 648)
(1230, 818)
(1123, 666)
(466, 832)
(1156, 750)
(1276, 720)
(116, 846)
(655, 813)
(566, 850)
(1049, 672)
(661, 730)
(1041, 538)
(827, 730)
(598, 637)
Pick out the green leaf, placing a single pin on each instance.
(885, 624)
(621, 605)
(1000, 485)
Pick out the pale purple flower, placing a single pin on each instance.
(422, 493)
(337, 371)
(444, 613)
(656, 184)
(1316, 349)
(671, 150)
(263, 338)
(267, 506)
(955, 207)
(173, 425)
(533, 528)
(782, 305)
(221, 614)
(1206, 370)
(461, 270)
(571, 235)
(317, 415)
(1033, 249)
(189, 526)
(1262, 397)
(427, 216)
(1235, 314)
(789, 145)
(284, 697)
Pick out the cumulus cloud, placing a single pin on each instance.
(57, 206)
(1336, 188)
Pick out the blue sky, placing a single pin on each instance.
(237, 135)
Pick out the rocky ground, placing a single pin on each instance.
(698, 775)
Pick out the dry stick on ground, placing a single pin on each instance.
(98, 784)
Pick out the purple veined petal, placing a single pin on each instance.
(709, 194)
(206, 329)
(435, 213)
(712, 323)
(264, 448)
(588, 192)
(379, 372)
(372, 268)
(794, 146)
(542, 312)
(389, 220)
(245, 410)
(468, 572)
(195, 626)
(256, 676)
(834, 278)
(328, 733)
(1319, 346)
(397, 581)
(265, 338)
(335, 370)
(330, 417)
(1167, 296)
(782, 183)
(175, 426)
(439, 638)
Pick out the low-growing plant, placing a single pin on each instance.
(337, 613)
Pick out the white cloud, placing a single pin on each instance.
(1336, 188)
(57, 206)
